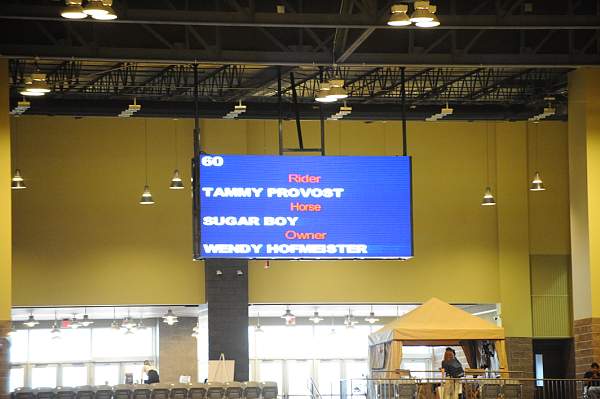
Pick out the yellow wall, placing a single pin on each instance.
(5, 198)
(80, 225)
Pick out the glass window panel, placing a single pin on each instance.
(18, 346)
(136, 370)
(43, 376)
(298, 377)
(16, 378)
(73, 345)
(106, 374)
(74, 376)
(274, 342)
(329, 377)
(271, 370)
(356, 372)
(108, 344)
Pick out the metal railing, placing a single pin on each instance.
(466, 388)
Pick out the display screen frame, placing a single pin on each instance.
(196, 227)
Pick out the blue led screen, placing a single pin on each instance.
(305, 207)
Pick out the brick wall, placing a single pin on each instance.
(519, 351)
(586, 333)
(177, 350)
(4, 363)
(227, 298)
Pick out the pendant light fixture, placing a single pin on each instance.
(399, 16)
(109, 15)
(536, 183)
(372, 319)
(434, 19)
(17, 182)
(146, 194)
(176, 182)
(95, 8)
(349, 321)
(74, 323)
(85, 321)
(288, 315)
(316, 319)
(337, 90)
(258, 327)
(170, 318)
(36, 85)
(31, 321)
(114, 326)
(323, 94)
(141, 325)
(55, 332)
(421, 13)
(73, 10)
(332, 331)
(127, 323)
(488, 197)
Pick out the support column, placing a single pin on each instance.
(227, 298)
(177, 352)
(584, 193)
(513, 248)
(5, 229)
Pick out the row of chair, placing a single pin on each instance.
(507, 391)
(231, 390)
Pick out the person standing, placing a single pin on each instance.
(452, 368)
(593, 384)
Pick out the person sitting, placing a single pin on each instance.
(151, 372)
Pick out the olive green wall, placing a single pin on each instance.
(80, 236)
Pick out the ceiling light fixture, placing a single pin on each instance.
(36, 85)
(288, 316)
(536, 184)
(109, 15)
(86, 322)
(74, 323)
(95, 8)
(488, 197)
(421, 13)
(170, 318)
(176, 182)
(434, 21)
(337, 90)
(31, 321)
(146, 194)
(237, 111)
(399, 16)
(446, 111)
(349, 321)
(17, 182)
(21, 107)
(316, 319)
(55, 332)
(323, 94)
(344, 111)
(372, 319)
(258, 327)
(73, 10)
(267, 265)
(131, 109)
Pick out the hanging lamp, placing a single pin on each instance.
(170, 318)
(316, 319)
(31, 321)
(421, 13)
(73, 10)
(176, 182)
(434, 19)
(536, 183)
(399, 16)
(488, 196)
(146, 194)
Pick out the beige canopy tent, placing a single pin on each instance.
(435, 323)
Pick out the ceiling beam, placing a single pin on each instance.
(185, 56)
(305, 20)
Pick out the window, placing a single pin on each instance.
(81, 356)
(135, 369)
(106, 374)
(18, 346)
(300, 372)
(110, 344)
(43, 376)
(73, 376)
(16, 378)
(272, 370)
(329, 377)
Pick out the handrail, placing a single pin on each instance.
(314, 390)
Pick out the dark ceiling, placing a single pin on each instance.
(490, 59)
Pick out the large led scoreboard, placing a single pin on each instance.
(310, 207)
